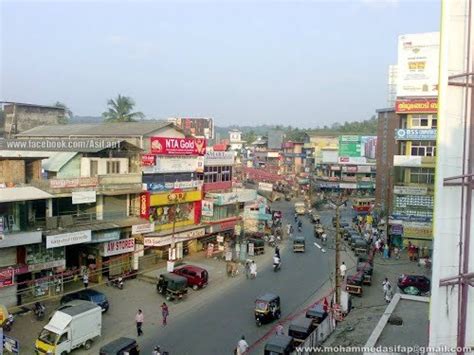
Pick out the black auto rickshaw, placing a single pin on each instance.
(267, 308)
(279, 345)
(354, 284)
(360, 246)
(315, 218)
(300, 329)
(172, 286)
(298, 244)
(258, 245)
(317, 314)
(367, 270)
(121, 346)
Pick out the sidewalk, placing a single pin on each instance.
(366, 311)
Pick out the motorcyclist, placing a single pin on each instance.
(276, 260)
(277, 251)
(156, 351)
(38, 307)
(271, 240)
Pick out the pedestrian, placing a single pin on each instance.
(247, 269)
(377, 245)
(396, 253)
(279, 329)
(164, 312)
(242, 346)
(139, 322)
(385, 251)
(343, 269)
(85, 279)
(253, 270)
(388, 293)
(410, 251)
(386, 285)
(277, 251)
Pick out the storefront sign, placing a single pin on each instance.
(415, 134)
(105, 236)
(410, 190)
(328, 185)
(417, 106)
(77, 182)
(223, 226)
(170, 198)
(213, 158)
(172, 165)
(47, 265)
(178, 237)
(352, 160)
(263, 186)
(7, 274)
(335, 168)
(365, 185)
(417, 230)
(117, 247)
(343, 185)
(60, 240)
(79, 197)
(178, 146)
(143, 228)
(207, 208)
(20, 238)
(148, 159)
(366, 169)
(396, 229)
(145, 205)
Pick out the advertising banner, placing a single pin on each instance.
(349, 146)
(145, 205)
(117, 247)
(178, 237)
(418, 64)
(213, 158)
(416, 106)
(415, 134)
(148, 159)
(170, 198)
(263, 186)
(143, 228)
(417, 229)
(77, 182)
(207, 208)
(410, 190)
(60, 240)
(352, 160)
(172, 165)
(79, 197)
(177, 146)
(343, 185)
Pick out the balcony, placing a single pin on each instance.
(129, 183)
(411, 161)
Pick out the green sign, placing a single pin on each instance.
(350, 146)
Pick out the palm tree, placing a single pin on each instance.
(121, 110)
(67, 112)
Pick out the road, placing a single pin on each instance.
(215, 326)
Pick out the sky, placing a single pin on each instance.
(301, 63)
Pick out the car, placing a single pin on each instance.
(197, 277)
(87, 295)
(414, 284)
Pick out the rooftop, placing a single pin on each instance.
(31, 105)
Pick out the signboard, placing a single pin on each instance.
(20, 238)
(343, 185)
(410, 190)
(178, 237)
(145, 205)
(352, 160)
(77, 182)
(407, 160)
(170, 198)
(417, 229)
(177, 146)
(207, 208)
(213, 158)
(263, 186)
(6, 277)
(143, 228)
(148, 160)
(198, 127)
(349, 146)
(365, 185)
(415, 134)
(417, 106)
(79, 197)
(418, 64)
(47, 265)
(117, 247)
(60, 240)
(364, 169)
(172, 165)
(105, 235)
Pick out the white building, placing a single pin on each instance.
(392, 85)
(235, 140)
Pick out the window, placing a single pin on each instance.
(62, 339)
(424, 149)
(113, 167)
(419, 121)
(434, 122)
(422, 176)
(94, 168)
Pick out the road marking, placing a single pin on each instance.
(320, 247)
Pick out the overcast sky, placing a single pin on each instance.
(304, 63)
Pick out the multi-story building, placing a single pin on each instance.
(293, 157)
(196, 127)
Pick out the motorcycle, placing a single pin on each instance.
(300, 229)
(39, 311)
(118, 283)
(276, 267)
(7, 326)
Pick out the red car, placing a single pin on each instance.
(197, 277)
(414, 284)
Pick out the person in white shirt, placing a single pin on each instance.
(242, 346)
(343, 269)
(253, 269)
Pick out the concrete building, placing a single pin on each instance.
(20, 117)
(193, 126)
(392, 85)
(235, 140)
(293, 157)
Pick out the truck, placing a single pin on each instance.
(70, 328)
(300, 207)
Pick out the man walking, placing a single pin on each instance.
(139, 322)
(85, 279)
(386, 287)
(343, 269)
(164, 312)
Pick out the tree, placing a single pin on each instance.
(121, 110)
(67, 112)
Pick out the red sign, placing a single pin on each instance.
(148, 160)
(177, 146)
(417, 106)
(145, 205)
(7, 275)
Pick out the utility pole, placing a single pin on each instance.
(338, 204)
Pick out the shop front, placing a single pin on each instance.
(117, 257)
(220, 236)
(171, 209)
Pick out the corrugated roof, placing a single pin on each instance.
(24, 193)
(57, 161)
(125, 129)
(25, 154)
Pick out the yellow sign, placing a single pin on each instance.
(422, 233)
(170, 198)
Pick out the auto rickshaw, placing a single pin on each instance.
(279, 345)
(172, 286)
(317, 314)
(365, 258)
(315, 218)
(120, 346)
(298, 244)
(318, 230)
(267, 308)
(258, 245)
(366, 269)
(300, 329)
(354, 284)
(360, 246)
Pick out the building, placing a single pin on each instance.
(452, 291)
(392, 85)
(293, 157)
(218, 171)
(196, 127)
(20, 117)
(388, 123)
(235, 140)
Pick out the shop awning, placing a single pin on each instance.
(25, 193)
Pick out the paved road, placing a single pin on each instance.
(215, 326)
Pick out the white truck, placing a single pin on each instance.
(70, 328)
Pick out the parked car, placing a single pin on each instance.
(414, 284)
(88, 295)
(197, 277)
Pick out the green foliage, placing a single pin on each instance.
(121, 110)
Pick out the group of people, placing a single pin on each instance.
(139, 318)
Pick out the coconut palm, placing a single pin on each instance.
(121, 110)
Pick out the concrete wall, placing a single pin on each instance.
(102, 165)
(12, 171)
(26, 117)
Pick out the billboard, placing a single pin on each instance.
(415, 134)
(172, 165)
(418, 62)
(356, 149)
(213, 158)
(417, 106)
(177, 146)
